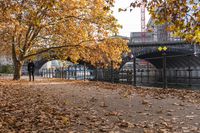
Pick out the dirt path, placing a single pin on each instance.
(47, 106)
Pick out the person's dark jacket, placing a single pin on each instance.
(31, 67)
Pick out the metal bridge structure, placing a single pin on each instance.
(178, 64)
(43, 60)
(179, 54)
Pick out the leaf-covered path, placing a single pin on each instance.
(47, 106)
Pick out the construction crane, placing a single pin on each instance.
(143, 27)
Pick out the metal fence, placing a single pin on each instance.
(144, 77)
(74, 73)
(5, 76)
(177, 77)
(154, 77)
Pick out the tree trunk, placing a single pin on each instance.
(17, 62)
(17, 70)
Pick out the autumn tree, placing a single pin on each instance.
(97, 54)
(181, 16)
(107, 51)
(32, 27)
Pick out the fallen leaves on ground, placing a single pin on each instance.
(78, 106)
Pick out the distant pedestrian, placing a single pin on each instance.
(31, 69)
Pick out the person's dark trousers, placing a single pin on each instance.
(31, 74)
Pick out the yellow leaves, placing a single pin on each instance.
(113, 49)
(171, 28)
(191, 2)
(65, 120)
(100, 53)
(189, 37)
(197, 36)
(37, 22)
(39, 25)
(177, 34)
(182, 16)
(195, 7)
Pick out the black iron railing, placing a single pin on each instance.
(144, 77)
(134, 75)
(75, 73)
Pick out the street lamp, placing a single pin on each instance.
(164, 77)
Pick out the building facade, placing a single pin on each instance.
(160, 33)
(140, 37)
(5, 60)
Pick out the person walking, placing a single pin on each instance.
(31, 69)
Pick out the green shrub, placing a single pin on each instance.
(6, 69)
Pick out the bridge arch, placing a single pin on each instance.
(176, 57)
(40, 62)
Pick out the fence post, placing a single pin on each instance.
(134, 71)
(148, 72)
(48, 72)
(176, 71)
(111, 72)
(84, 71)
(141, 76)
(68, 73)
(189, 70)
(127, 76)
(75, 72)
(62, 70)
(52, 72)
(97, 74)
(164, 71)
(65, 72)
(122, 77)
(42, 72)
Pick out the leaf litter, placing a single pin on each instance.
(78, 106)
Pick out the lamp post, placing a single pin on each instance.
(164, 76)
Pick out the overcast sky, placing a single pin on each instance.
(129, 20)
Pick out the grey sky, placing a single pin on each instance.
(129, 20)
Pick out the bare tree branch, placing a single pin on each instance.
(58, 47)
